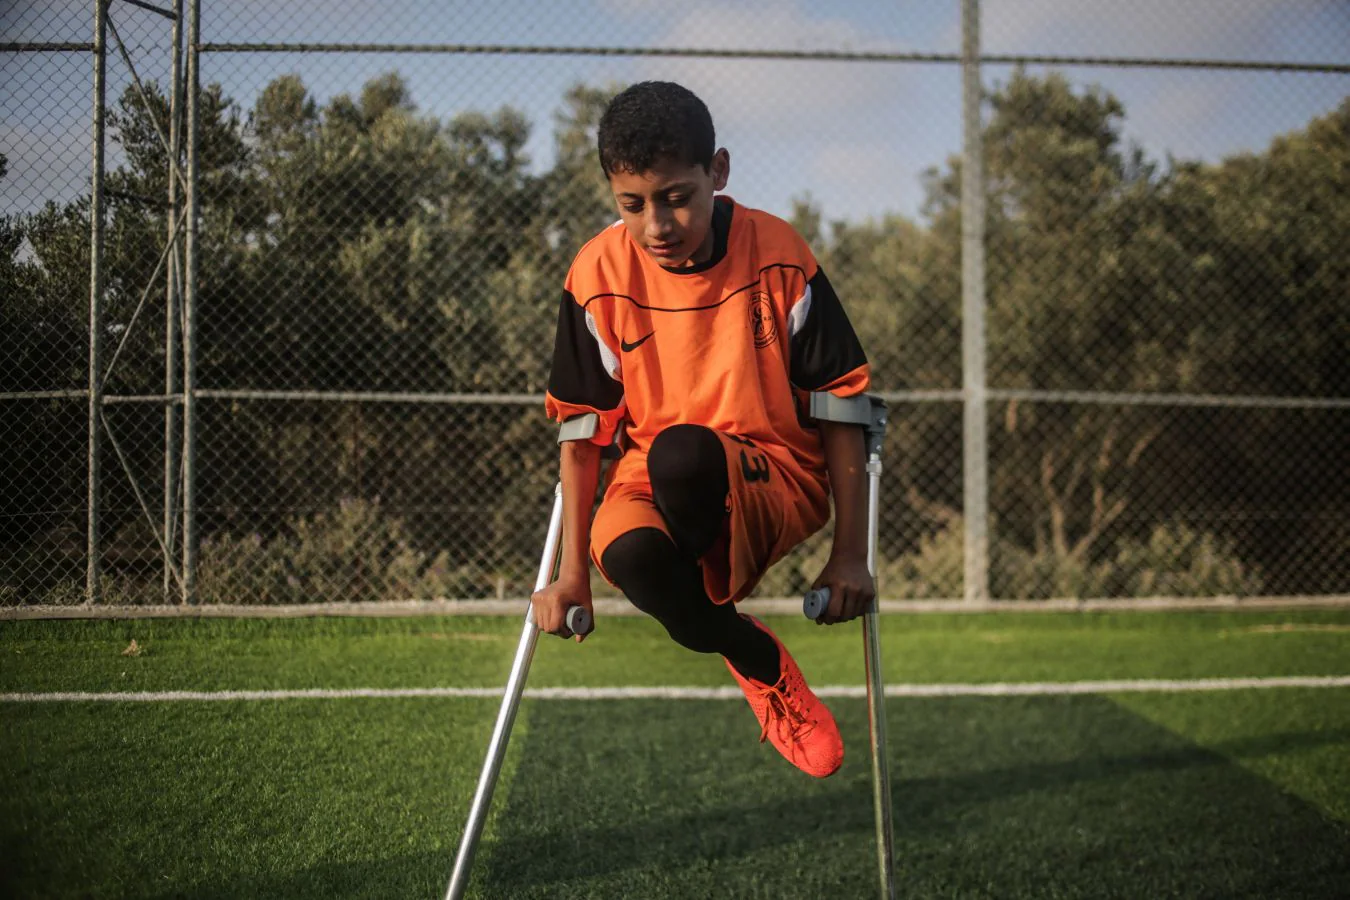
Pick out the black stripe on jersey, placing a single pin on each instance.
(578, 375)
(826, 348)
(740, 290)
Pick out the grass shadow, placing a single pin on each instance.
(1065, 797)
(417, 875)
(1007, 797)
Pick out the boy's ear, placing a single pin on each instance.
(720, 169)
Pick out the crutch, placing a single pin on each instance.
(870, 413)
(579, 621)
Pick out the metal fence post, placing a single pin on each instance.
(190, 310)
(975, 488)
(93, 588)
(171, 310)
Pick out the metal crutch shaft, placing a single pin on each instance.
(876, 698)
(814, 605)
(506, 716)
(871, 414)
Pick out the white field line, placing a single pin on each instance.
(997, 689)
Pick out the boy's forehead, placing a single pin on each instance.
(664, 174)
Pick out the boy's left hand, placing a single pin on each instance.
(851, 588)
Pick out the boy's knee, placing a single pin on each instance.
(685, 454)
(688, 471)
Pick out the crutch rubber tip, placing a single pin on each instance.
(579, 620)
(815, 603)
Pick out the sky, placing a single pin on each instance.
(855, 137)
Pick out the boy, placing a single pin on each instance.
(699, 325)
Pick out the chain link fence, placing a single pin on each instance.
(1133, 383)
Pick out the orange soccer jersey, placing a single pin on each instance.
(731, 344)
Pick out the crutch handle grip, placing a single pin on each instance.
(815, 603)
(580, 620)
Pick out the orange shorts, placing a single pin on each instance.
(768, 515)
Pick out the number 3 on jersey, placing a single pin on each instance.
(754, 468)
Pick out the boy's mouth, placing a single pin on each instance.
(665, 251)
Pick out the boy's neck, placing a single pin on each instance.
(714, 245)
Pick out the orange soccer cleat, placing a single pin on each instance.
(791, 717)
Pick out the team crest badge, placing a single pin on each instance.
(762, 323)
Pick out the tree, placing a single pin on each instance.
(363, 245)
(1108, 272)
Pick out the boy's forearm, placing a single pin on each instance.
(846, 463)
(580, 474)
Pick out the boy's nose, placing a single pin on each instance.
(659, 225)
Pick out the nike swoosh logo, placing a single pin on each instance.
(629, 348)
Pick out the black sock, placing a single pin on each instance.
(667, 585)
(756, 655)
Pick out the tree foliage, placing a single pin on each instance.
(361, 244)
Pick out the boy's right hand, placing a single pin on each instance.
(552, 603)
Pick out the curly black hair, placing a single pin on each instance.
(654, 121)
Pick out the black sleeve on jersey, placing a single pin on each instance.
(826, 348)
(578, 375)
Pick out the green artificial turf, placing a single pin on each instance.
(1213, 794)
(223, 654)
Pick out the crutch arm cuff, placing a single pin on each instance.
(587, 427)
(864, 410)
(827, 407)
(579, 428)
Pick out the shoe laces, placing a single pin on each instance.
(781, 711)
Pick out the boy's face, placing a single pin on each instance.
(668, 208)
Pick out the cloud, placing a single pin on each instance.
(1163, 28)
(777, 98)
(782, 25)
(776, 24)
(46, 162)
(871, 178)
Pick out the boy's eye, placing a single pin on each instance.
(677, 199)
(632, 207)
